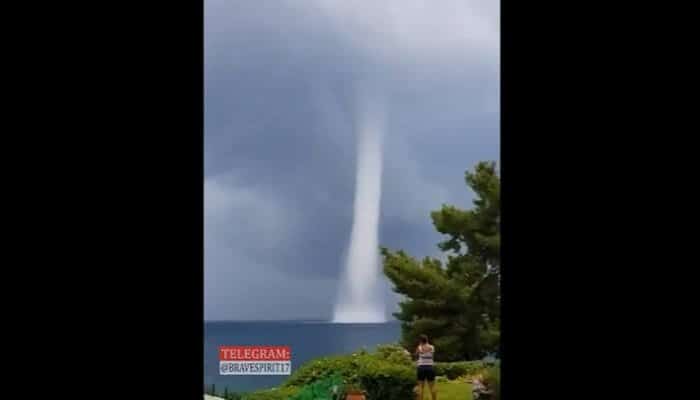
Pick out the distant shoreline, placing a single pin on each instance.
(305, 321)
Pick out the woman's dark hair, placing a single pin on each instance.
(423, 339)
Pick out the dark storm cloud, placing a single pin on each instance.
(280, 104)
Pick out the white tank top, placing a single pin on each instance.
(425, 357)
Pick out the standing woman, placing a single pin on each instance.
(426, 371)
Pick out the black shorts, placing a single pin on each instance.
(426, 373)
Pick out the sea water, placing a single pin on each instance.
(307, 339)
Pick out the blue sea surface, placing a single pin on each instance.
(307, 339)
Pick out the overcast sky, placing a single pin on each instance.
(282, 80)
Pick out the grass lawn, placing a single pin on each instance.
(451, 390)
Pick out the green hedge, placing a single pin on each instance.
(383, 374)
(282, 393)
(387, 381)
(454, 370)
(322, 389)
(320, 368)
(395, 353)
(492, 379)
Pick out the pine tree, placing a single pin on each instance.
(458, 304)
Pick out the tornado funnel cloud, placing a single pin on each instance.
(359, 297)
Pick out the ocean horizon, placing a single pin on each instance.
(308, 339)
(282, 321)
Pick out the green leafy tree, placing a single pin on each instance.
(457, 303)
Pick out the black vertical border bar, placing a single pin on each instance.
(194, 85)
(198, 237)
(197, 87)
(124, 218)
(518, 161)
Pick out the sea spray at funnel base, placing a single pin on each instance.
(359, 299)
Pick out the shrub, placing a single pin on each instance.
(283, 393)
(383, 374)
(346, 366)
(453, 370)
(331, 387)
(394, 353)
(492, 380)
(386, 381)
